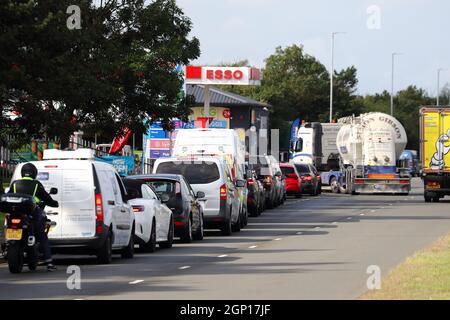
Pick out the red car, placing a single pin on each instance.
(293, 179)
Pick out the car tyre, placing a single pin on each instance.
(104, 254)
(200, 232)
(186, 234)
(128, 251)
(150, 246)
(236, 227)
(170, 234)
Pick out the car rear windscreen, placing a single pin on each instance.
(195, 172)
(163, 187)
(287, 170)
(302, 169)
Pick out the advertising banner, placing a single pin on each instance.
(123, 165)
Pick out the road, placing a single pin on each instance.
(310, 248)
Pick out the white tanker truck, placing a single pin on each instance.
(370, 146)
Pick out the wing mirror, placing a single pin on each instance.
(54, 191)
(240, 183)
(200, 195)
(165, 198)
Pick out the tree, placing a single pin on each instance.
(114, 72)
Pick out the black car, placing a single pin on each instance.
(184, 203)
(311, 182)
(270, 178)
(256, 195)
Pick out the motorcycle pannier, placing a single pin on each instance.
(17, 203)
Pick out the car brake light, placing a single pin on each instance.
(51, 167)
(16, 221)
(307, 178)
(223, 192)
(318, 177)
(404, 181)
(99, 212)
(359, 181)
(138, 209)
(268, 180)
(249, 181)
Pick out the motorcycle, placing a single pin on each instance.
(22, 246)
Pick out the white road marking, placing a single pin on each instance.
(136, 281)
(317, 228)
(335, 222)
(78, 299)
(372, 211)
(253, 247)
(349, 218)
(299, 233)
(184, 267)
(222, 256)
(277, 239)
(362, 214)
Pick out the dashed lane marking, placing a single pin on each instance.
(184, 267)
(136, 281)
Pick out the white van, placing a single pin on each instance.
(211, 175)
(93, 214)
(216, 142)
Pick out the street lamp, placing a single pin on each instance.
(333, 34)
(438, 84)
(392, 82)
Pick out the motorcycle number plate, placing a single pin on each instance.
(13, 234)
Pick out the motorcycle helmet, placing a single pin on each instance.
(29, 171)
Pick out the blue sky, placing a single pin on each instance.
(231, 30)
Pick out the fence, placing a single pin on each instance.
(6, 165)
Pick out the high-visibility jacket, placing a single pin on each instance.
(35, 189)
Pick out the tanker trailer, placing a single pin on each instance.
(370, 146)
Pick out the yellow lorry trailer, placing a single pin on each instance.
(435, 152)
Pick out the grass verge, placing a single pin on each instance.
(423, 276)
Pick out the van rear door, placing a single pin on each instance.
(50, 175)
(204, 176)
(78, 200)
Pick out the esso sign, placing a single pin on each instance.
(224, 74)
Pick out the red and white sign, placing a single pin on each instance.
(159, 144)
(243, 76)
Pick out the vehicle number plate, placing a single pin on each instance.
(13, 234)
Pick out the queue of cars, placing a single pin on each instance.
(207, 184)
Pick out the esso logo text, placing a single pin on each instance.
(224, 75)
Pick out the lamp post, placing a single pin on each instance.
(392, 81)
(438, 84)
(333, 34)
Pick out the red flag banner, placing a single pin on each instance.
(120, 141)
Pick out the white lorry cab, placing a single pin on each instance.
(212, 176)
(216, 142)
(93, 214)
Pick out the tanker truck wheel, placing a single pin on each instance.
(427, 197)
(335, 188)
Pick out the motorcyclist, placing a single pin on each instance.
(29, 185)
